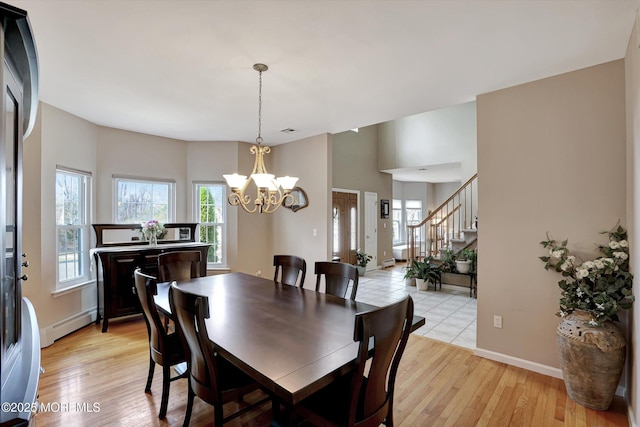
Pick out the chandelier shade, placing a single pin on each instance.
(270, 192)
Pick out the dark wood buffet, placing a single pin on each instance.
(117, 258)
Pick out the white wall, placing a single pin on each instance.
(632, 79)
(436, 137)
(560, 142)
(293, 232)
(59, 139)
(121, 152)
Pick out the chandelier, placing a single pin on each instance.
(270, 192)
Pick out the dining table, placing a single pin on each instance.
(292, 341)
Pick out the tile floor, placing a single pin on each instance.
(450, 314)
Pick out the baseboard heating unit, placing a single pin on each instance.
(388, 262)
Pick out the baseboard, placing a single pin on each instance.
(520, 363)
(530, 366)
(630, 416)
(64, 327)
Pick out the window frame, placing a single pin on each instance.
(197, 185)
(395, 210)
(171, 197)
(84, 228)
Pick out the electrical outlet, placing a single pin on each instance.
(497, 322)
(258, 273)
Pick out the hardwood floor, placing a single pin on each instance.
(438, 384)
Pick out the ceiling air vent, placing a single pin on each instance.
(289, 130)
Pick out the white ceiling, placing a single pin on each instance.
(183, 69)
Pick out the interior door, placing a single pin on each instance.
(371, 227)
(345, 226)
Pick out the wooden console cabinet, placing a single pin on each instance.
(117, 261)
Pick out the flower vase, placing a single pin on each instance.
(153, 239)
(592, 359)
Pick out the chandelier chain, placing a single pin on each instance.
(259, 138)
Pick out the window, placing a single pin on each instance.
(211, 215)
(396, 220)
(413, 208)
(139, 200)
(73, 201)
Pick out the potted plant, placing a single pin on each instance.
(447, 258)
(592, 347)
(410, 274)
(464, 260)
(426, 272)
(362, 259)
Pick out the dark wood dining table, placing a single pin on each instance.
(292, 341)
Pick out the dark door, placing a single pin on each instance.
(345, 226)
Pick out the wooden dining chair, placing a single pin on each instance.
(337, 276)
(165, 348)
(365, 399)
(288, 269)
(211, 377)
(179, 266)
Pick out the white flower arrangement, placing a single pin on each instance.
(601, 286)
(152, 228)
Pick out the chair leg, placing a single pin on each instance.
(166, 376)
(187, 415)
(218, 419)
(152, 366)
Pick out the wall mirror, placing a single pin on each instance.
(300, 199)
(131, 234)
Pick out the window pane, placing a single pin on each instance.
(68, 199)
(72, 226)
(336, 229)
(69, 253)
(139, 201)
(210, 212)
(212, 234)
(211, 204)
(354, 224)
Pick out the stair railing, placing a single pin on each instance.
(446, 222)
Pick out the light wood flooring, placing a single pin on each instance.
(438, 384)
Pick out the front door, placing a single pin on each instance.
(345, 226)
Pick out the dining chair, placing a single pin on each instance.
(211, 377)
(288, 269)
(365, 398)
(165, 348)
(178, 266)
(337, 276)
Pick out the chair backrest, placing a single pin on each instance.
(146, 288)
(178, 266)
(337, 276)
(190, 312)
(289, 267)
(372, 396)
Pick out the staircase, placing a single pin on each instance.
(452, 225)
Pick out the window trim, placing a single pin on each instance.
(85, 227)
(196, 215)
(171, 199)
